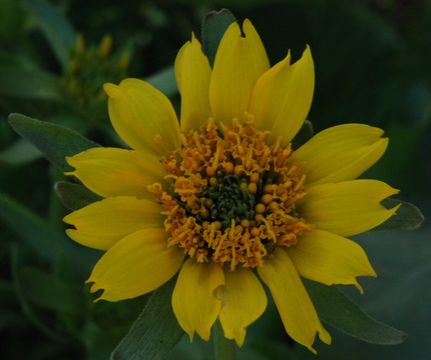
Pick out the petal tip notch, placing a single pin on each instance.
(112, 90)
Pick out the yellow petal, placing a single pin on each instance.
(143, 116)
(193, 300)
(193, 73)
(293, 303)
(282, 97)
(330, 259)
(341, 153)
(137, 264)
(239, 62)
(116, 172)
(243, 301)
(102, 224)
(347, 208)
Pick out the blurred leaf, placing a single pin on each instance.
(99, 340)
(57, 29)
(49, 291)
(224, 349)
(74, 196)
(303, 135)
(29, 84)
(6, 293)
(33, 230)
(54, 141)
(401, 156)
(8, 319)
(214, 25)
(408, 216)
(339, 311)
(165, 81)
(26, 308)
(12, 21)
(269, 349)
(19, 153)
(37, 234)
(155, 332)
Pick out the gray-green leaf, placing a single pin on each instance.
(408, 216)
(54, 141)
(214, 26)
(339, 311)
(155, 332)
(74, 196)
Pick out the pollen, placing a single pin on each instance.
(231, 197)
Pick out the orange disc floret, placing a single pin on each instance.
(232, 195)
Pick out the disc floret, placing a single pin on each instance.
(231, 196)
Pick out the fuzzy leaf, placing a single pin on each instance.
(74, 196)
(408, 216)
(54, 141)
(339, 311)
(155, 332)
(214, 26)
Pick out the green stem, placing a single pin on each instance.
(224, 349)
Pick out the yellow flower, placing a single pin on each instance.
(223, 198)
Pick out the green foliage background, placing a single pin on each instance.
(372, 66)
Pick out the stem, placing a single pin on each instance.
(224, 349)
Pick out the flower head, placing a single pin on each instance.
(222, 197)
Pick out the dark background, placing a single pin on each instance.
(372, 62)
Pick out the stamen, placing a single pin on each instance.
(231, 197)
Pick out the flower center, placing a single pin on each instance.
(230, 197)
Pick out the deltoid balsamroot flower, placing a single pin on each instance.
(222, 197)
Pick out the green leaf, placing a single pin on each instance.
(9, 320)
(408, 216)
(155, 332)
(21, 152)
(12, 22)
(339, 311)
(7, 296)
(50, 292)
(25, 306)
(54, 141)
(74, 196)
(165, 81)
(39, 235)
(224, 349)
(29, 83)
(214, 26)
(32, 229)
(57, 29)
(304, 134)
